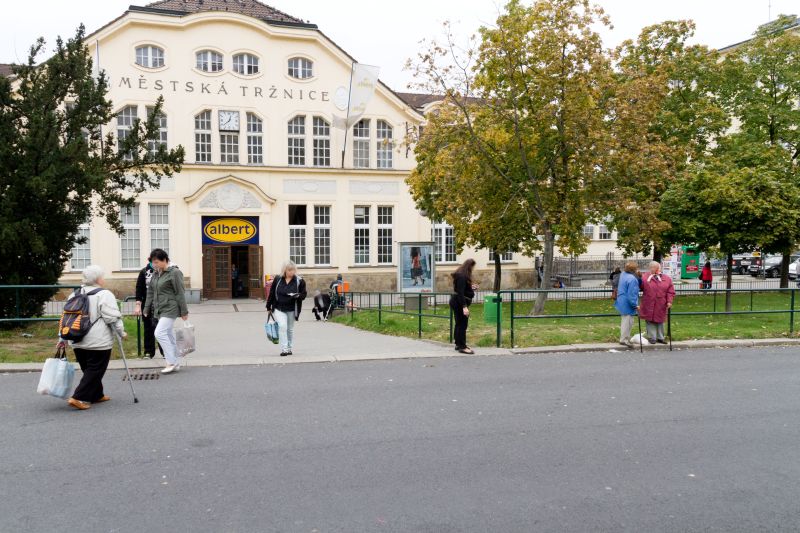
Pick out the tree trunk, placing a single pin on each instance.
(547, 258)
(728, 280)
(785, 270)
(497, 271)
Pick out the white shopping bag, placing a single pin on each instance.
(644, 341)
(57, 376)
(185, 339)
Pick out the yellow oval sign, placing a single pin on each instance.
(230, 230)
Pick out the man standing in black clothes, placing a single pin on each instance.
(142, 282)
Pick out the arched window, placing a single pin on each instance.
(209, 61)
(255, 140)
(385, 144)
(149, 56)
(297, 140)
(361, 143)
(301, 68)
(125, 120)
(245, 64)
(202, 137)
(322, 142)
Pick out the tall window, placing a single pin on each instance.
(588, 231)
(202, 137)
(322, 142)
(361, 234)
(159, 226)
(209, 61)
(246, 64)
(297, 141)
(385, 225)
(297, 234)
(385, 144)
(255, 140)
(149, 56)
(81, 255)
(129, 241)
(445, 242)
(301, 68)
(361, 144)
(505, 257)
(322, 234)
(604, 234)
(229, 147)
(125, 120)
(152, 146)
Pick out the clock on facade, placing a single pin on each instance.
(229, 120)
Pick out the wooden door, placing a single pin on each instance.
(255, 270)
(217, 272)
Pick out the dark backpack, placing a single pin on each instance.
(74, 323)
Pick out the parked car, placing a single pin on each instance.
(793, 265)
(741, 263)
(770, 267)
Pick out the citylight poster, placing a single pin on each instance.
(415, 268)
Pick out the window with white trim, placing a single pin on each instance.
(322, 235)
(383, 132)
(159, 226)
(255, 139)
(125, 120)
(202, 137)
(152, 146)
(361, 234)
(81, 255)
(246, 64)
(505, 257)
(604, 234)
(297, 141)
(297, 233)
(229, 147)
(209, 61)
(322, 142)
(588, 231)
(361, 144)
(149, 56)
(385, 234)
(443, 237)
(301, 68)
(129, 241)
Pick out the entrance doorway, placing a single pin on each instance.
(233, 271)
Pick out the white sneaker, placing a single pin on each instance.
(169, 369)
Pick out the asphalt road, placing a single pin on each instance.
(688, 441)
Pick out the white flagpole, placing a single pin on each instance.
(347, 117)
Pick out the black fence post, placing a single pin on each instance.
(419, 315)
(791, 314)
(379, 307)
(512, 319)
(499, 302)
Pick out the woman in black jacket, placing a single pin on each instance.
(463, 293)
(285, 303)
(142, 282)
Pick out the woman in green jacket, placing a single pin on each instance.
(166, 299)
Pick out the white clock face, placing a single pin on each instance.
(229, 120)
(340, 98)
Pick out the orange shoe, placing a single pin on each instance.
(103, 399)
(77, 404)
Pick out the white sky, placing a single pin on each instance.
(388, 33)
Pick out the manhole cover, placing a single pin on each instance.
(142, 376)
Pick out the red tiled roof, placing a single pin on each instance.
(252, 8)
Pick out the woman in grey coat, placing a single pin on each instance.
(166, 299)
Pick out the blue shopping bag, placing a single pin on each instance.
(271, 328)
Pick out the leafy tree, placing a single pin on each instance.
(57, 168)
(663, 113)
(761, 90)
(525, 106)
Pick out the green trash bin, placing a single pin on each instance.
(490, 315)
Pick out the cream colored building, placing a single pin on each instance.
(253, 95)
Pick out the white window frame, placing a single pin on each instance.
(149, 56)
(321, 142)
(202, 137)
(300, 68)
(246, 64)
(361, 232)
(361, 143)
(159, 226)
(132, 259)
(505, 257)
(126, 118)
(209, 61)
(255, 139)
(443, 237)
(385, 232)
(81, 252)
(152, 146)
(228, 147)
(322, 234)
(604, 233)
(385, 145)
(296, 141)
(298, 232)
(588, 231)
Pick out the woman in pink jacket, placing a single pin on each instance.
(657, 295)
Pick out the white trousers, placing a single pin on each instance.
(625, 326)
(166, 338)
(285, 328)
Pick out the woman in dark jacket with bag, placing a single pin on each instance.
(463, 293)
(285, 303)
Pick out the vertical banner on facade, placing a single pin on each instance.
(363, 80)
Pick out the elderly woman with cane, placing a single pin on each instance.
(657, 295)
(627, 301)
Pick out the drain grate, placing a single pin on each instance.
(142, 376)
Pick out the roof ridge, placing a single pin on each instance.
(253, 8)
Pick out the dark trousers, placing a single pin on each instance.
(93, 365)
(149, 324)
(461, 324)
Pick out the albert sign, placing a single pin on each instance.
(230, 230)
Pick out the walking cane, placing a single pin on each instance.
(125, 362)
(669, 326)
(641, 341)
